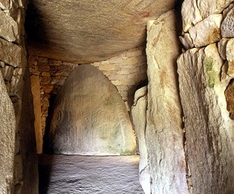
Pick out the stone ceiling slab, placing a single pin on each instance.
(86, 30)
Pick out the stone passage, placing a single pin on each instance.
(61, 174)
(90, 117)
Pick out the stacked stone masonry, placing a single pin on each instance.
(206, 71)
(208, 26)
(126, 71)
(13, 65)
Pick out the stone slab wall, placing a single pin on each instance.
(13, 67)
(205, 70)
(7, 139)
(126, 71)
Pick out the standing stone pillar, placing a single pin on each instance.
(7, 140)
(138, 113)
(164, 130)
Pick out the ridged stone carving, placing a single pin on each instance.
(90, 117)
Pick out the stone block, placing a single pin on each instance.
(8, 27)
(7, 140)
(228, 25)
(207, 31)
(5, 4)
(194, 11)
(210, 7)
(190, 14)
(230, 49)
(8, 72)
(10, 53)
(222, 47)
(164, 138)
(206, 120)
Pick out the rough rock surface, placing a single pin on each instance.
(194, 11)
(7, 139)
(228, 25)
(5, 4)
(206, 121)
(89, 174)
(90, 116)
(8, 27)
(138, 113)
(229, 94)
(87, 31)
(164, 132)
(26, 165)
(207, 31)
(13, 64)
(230, 57)
(10, 53)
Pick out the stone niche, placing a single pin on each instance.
(90, 117)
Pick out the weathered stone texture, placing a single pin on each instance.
(90, 117)
(13, 66)
(207, 31)
(138, 113)
(10, 53)
(194, 11)
(51, 75)
(228, 25)
(230, 57)
(126, 71)
(206, 121)
(222, 47)
(8, 27)
(188, 19)
(36, 92)
(7, 140)
(5, 4)
(229, 94)
(210, 7)
(106, 27)
(28, 180)
(229, 50)
(164, 132)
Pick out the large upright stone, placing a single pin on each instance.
(90, 116)
(209, 130)
(138, 113)
(164, 132)
(7, 140)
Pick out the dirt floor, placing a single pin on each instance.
(60, 174)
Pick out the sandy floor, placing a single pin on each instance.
(61, 174)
